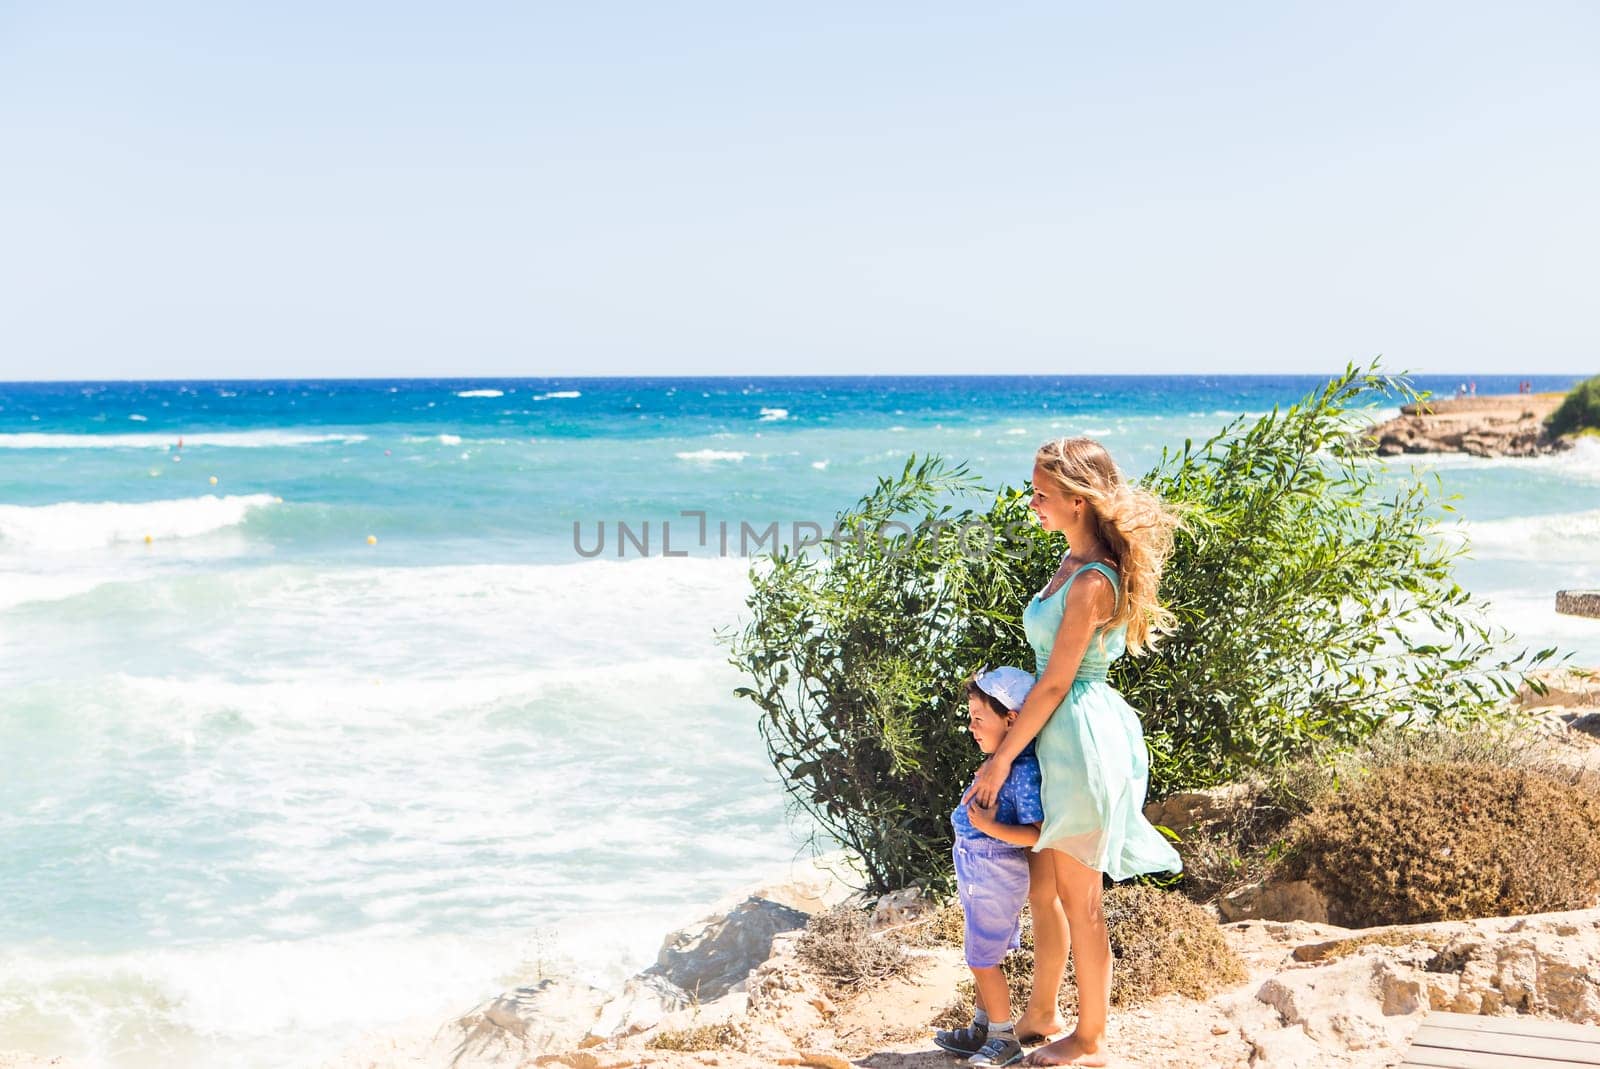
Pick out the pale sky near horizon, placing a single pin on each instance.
(224, 191)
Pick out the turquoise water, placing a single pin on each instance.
(266, 784)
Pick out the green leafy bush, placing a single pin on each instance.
(1415, 842)
(1580, 410)
(1312, 606)
(857, 661)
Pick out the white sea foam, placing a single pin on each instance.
(468, 625)
(555, 394)
(78, 525)
(221, 439)
(480, 393)
(820, 465)
(1532, 618)
(139, 419)
(388, 739)
(449, 439)
(386, 696)
(27, 588)
(708, 455)
(773, 415)
(255, 1004)
(1561, 537)
(365, 997)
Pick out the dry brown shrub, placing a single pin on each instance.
(1162, 942)
(1229, 855)
(723, 1036)
(1417, 842)
(1165, 944)
(838, 946)
(943, 926)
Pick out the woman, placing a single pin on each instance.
(1091, 749)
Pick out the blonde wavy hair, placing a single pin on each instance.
(1136, 526)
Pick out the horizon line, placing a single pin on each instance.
(777, 377)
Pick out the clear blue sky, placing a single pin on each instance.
(283, 189)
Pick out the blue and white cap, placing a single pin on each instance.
(1008, 686)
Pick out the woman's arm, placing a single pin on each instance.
(1090, 603)
(1015, 834)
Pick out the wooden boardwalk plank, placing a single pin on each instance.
(1515, 1026)
(1434, 1058)
(1575, 1052)
(1472, 1059)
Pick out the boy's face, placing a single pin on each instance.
(987, 726)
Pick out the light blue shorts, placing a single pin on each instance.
(992, 880)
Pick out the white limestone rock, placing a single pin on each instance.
(1190, 811)
(506, 1030)
(708, 958)
(1275, 900)
(644, 1002)
(901, 907)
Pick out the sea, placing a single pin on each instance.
(327, 706)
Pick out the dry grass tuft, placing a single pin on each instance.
(942, 927)
(1342, 948)
(1162, 942)
(723, 1036)
(838, 946)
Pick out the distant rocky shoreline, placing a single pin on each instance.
(1508, 425)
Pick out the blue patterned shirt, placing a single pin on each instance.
(1017, 803)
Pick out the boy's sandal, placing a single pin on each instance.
(1002, 1049)
(966, 1040)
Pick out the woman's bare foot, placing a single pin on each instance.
(1069, 1051)
(1030, 1032)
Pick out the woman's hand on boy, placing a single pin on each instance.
(982, 817)
(985, 788)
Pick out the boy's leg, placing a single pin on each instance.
(992, 994)
(971, 1038)
(1000, 1047)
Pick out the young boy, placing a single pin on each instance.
(991, 859)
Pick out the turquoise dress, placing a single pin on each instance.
(1093, 761)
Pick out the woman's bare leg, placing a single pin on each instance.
(1042, 1015)
(1079, 887)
